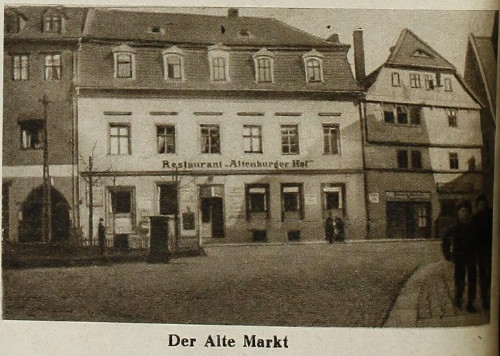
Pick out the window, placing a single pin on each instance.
(415, 80)
(218, 59)
(415, 112)
(331, 139)
(13, 22)
(429, 82)
(52, 23)
(416, 159)
(332, 196)
(219, 69)
(472, 164)
(257, 199)
(447, 84)
(292, 199)
(119, 139)
(121, 200)
(422, 217)
(453, 160)
(173, 62)
(264, 70)
(252, 138)
(389, 114)
(452, 117)
(290, 139)
(20, 67)
(124, 57)
(395, 79)
(402, 114)
(32, 134)
(313, 64)
(53, 67)
(167, 199)
(210, 139)
(403, 159)
(166, 139)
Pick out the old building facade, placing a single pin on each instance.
(247, 130)
(422, 142)
(40, 54)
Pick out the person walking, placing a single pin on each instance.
(329, 228)
(483, 226)
(101, 233)
(339, 229)
(459, 246)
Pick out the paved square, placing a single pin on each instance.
(351, 284)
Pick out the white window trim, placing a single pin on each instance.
(215, 51)
(124, 49)
(173, 52)
(313, 54)
(261, 54)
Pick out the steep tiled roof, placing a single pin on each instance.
(412, 51)
(485, 56)
(198, 29)
(74, 19)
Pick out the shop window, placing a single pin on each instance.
(447, 84)
(403, 159)
(121, 201)
(416, 159)
(402, 114)
(313, 64)
(331, 139)
(415, 80)
(264, 66)
(165, 139)
(119, 139)
(290, 139)
(389, 113)
(292, 199)
(252, 138)
(32, 134)
(332, 197)
(415, 115)
(429, 82)
(20, 67)
(452, 117)
(395, 79)
(453, 157)
(257, 199)
(210, 138)
(53, 67)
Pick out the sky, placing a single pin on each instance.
(445, 30)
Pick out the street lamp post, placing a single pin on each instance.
(47, 202)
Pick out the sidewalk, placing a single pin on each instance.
(427, 300)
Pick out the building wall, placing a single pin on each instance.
(145, 168)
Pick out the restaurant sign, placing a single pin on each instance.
(237, 164)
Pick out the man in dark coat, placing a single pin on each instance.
(459, 246)
(483, 225)
(101, 233)
(329, 228)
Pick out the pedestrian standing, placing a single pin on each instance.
(339, 229)
(101, 232)
(459, 246)
(329, 228)
(483, 226)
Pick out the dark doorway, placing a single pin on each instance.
(168, 199)
(408, 220)
(30, 228)
(212, 211)
(5, 212)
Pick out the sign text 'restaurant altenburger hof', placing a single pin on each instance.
(238, 164)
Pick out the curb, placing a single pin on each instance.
(315, 242)
(404, 313)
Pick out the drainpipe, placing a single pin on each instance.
(362, 123)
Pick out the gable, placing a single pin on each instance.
(411, 51)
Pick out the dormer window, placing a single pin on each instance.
(157, 30)
(53, 21)
(264, 66)
(13, 21)
(313, 64)
(124, 58)
(218, 57)
(173, 62)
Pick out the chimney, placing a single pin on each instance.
(232, 12)
(359, 56)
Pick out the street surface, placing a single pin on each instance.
(350, 284)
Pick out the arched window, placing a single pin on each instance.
(124, 58)
(218, 57)
(173, 63)
(264, 66)
(313, 64)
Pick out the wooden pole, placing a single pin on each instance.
(47, 203)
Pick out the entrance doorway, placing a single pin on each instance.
(31, 226)
(408, 220)
(212, 211)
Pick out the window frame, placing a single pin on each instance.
(289, 143)
(299, 199)
(335, 127)
(402, 157)
(248, 200)
(395, 79)
(429, 82)
(118, 63)
(52, 23)
(51, 57)
(416, 157)
(264, 74)
(415, 80)
(327, 188)
(250, 137)
(166, 135)
(452, 115)
(118, 137)
(453, 160)
(209, 137)
(19, 69)
(447, 84)
(219, 52)
(32, 125)
(133, 206)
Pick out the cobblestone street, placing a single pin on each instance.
(351, 284)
